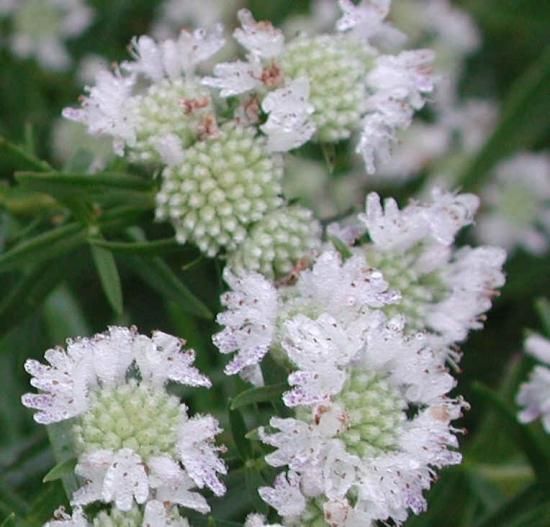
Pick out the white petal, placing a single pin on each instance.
(260, 38)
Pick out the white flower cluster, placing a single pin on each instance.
(517, 204)
(332, 85)
(40, 27)
(135, 443)
(365, 333)
(444, 290)
(534, 395)
(221, 174)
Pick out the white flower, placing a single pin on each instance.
(345, 290)
(318, 349)
(173, 58)
(378, 437)
(156, 108)
(439, 222)
(261, 39)
(443, 289)
(112, 477)
(534, 395)
(235, 78)
(399, 85)
(172, 485)
(366, 20)
(288, 125)
(106, 109)
(199, 454)
(538, 347)
(517, 200)
(249, 320)
(161, 358)
(471, 277)
(285, 496)
(134, 441)
(103, 361)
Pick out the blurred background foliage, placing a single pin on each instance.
(52, 287)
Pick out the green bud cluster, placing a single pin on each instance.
(116, 518)
(137, 416)
(278, 242)
(226, 183)
(417, 290)
(375, 410)
(336, 67)
(169, 107)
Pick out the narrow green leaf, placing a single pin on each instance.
(238, 430)
(543, 309)
(122, 216)
(261, 394)
(524, 120)
(29, 293)
(161, 278)
(55, 182)
(148, 248)
(9, 521)
(60, 470)
(20, 158)
(43, 247)
(108, 275)
(536, 455)
(253, 481)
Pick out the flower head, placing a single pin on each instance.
(152, 106)
(443, 290)
(228, 182)
(257, 310)
(372, 421)
(330, 86)
(134, 441)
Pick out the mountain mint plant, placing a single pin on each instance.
(222, 182)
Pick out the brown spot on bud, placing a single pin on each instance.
(192, 105)
(208, 127)
(272, 76)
